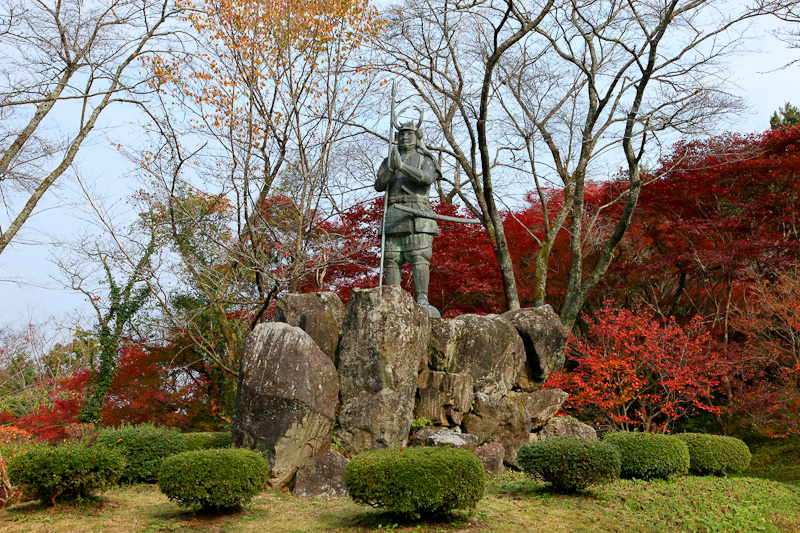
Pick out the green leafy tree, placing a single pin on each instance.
(786, 116)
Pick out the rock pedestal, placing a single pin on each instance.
(320, 314)
(444, 437)
(474, 377)
(286, 400)
(544, 337)
(564, 426)
(486, 347)
(491, 455)
(443, 398)
(500, 420)
(322, 477)
(541, 405)
(385, 336)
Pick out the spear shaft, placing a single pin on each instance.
(386, 194)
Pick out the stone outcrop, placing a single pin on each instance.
(486, 347)
(320, 314)
(502, 420)
(443, 398)
(491, 455)
(286, 399)
(541, 405)
(564, 426)
(544, 338)
(322, 477)
(444, 437)
(385, 336)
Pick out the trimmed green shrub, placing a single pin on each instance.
(66, 472)
(213, 479)
(207, 440)
(144, 447)
(715, 455)
(416, 481)
(570, 464)
(650, 456)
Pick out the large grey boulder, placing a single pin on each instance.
(486, 347)
(564, 426)
(322, 477)
(286, 400)
(544, 338)
(385, 336)
(320, 314)
(443, 398)
(541, 405)
(444, 437)
(502, 420)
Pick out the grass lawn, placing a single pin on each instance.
(765, 499)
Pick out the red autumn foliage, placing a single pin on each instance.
(770, 319)
(147, 388)
(637, 371)
(723, 214)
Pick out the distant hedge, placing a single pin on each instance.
(570, 464)
(416, 481)
(650, 456)
(144, 447)
(715, 455)
(70, 471)
(208, 440)
(213, 479)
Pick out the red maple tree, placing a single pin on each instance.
(633, 370)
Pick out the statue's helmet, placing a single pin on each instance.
(407, 126)
(410, 125)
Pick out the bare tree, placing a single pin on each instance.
(552, 92)
(62, 63)
(449, 52)
(787, 11)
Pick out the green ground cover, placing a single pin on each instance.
(766, 498)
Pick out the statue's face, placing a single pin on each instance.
(406, 139)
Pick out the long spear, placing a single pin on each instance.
(386, 194)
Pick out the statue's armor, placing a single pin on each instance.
(409, 237)
(415, 232)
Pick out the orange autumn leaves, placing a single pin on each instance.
(258, 63)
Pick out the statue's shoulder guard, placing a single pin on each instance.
(428, 161)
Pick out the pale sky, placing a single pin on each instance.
(28, 292)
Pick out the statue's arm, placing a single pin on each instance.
(384, 175)
(425, 175)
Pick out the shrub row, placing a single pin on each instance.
(208, 440)
(649, 455)
(715, 455)
(69, 471)
(416, 481)
(570, 464)
(144, 448)
(213, 479)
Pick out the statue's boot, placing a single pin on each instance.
(422, 276)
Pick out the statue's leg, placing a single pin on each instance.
(391, 267)
(421, 270)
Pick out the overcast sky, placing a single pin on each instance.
(27, 288)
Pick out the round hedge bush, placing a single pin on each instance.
(650, 456)
(570, 464)
(70, 471)
(213, 479)
(144, 447)
(416, 481)
(208, 440)
(715, 455)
